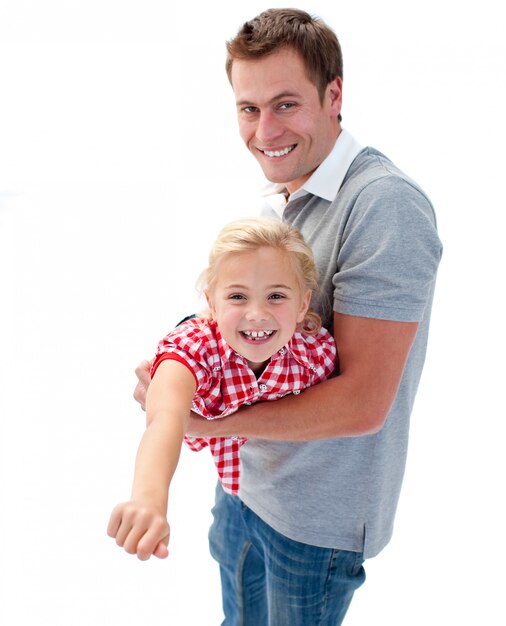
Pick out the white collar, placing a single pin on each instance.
(325, 180)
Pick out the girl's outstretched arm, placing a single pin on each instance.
(140, 526)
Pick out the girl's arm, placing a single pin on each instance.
(140, 525)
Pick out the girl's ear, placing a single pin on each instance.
(210, 305)
(304, 306)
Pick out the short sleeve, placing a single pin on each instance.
(316, 353)
(390, 253)
(190, 343)
(323, 354)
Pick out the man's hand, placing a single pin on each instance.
(142, 371)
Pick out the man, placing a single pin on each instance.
(322, 471)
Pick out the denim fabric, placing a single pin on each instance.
(270, 580)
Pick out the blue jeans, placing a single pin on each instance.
(270, 580)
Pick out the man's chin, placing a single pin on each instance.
(272, 176)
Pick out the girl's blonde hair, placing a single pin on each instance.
(247, 235)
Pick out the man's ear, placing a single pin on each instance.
(335, 93)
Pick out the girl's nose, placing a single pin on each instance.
(256, 313)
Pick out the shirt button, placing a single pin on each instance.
(263, 387)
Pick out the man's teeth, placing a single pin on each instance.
(278, 153)
(257, 334)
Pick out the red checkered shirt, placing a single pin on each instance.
(225, 382)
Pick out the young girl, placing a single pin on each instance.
(260, 342)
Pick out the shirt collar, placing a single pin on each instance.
(325, 180)
(225, 351)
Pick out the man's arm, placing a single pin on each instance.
(372, 356)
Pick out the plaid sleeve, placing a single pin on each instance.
(323, 353)
(190, 343)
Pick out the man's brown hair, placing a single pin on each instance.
(275, 29)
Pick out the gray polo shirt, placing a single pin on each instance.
(373, 233)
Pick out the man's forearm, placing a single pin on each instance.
(372, 356)
(330, 409)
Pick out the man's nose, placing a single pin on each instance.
(269, 128)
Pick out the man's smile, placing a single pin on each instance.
(280, 152)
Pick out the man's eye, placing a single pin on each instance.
(250, 109)
(286, 105)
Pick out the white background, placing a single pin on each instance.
(119, 161)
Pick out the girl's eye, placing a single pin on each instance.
(236, 296)
(277, 296)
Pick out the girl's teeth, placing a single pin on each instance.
(258, 334)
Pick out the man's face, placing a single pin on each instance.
(281, 119)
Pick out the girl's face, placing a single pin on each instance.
(257, 303)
